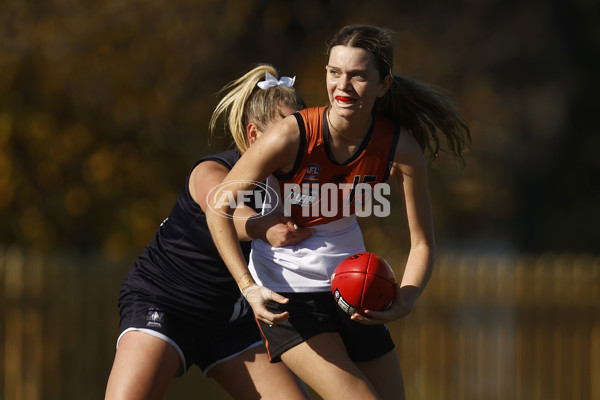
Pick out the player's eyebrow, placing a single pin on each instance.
(349, 72)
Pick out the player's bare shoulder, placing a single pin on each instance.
(203, 178)
(283, 140)
(409, 155)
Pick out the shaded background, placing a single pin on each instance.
(104, 108)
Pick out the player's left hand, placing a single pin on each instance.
(398, 309)
(258, 296)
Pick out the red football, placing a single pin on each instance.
(363, 281)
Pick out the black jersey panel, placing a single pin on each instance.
(181, 267)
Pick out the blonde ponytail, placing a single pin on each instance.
(245, 102)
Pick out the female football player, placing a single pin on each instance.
(378, 126)
(179, 305)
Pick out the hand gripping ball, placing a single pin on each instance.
(363, 281)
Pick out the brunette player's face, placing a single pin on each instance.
(353, 82)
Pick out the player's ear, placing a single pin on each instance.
(251, 132)
(386, 84)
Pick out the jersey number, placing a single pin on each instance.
(366, 179)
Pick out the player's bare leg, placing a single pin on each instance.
(251, 376)
(385, 375)
(144, 366)
(323, 363)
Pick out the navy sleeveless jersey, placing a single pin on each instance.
(181, 268)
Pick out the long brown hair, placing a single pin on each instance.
(418, 106)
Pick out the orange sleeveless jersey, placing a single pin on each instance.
(319, 190)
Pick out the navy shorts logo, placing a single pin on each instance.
(155, 318)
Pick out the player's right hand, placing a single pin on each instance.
(258, 297)
(277, 230)
(286, 233)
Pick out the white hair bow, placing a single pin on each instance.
(270, 81)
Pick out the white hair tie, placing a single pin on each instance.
(270, 81)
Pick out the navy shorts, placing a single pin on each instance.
(315, 313)
(203, 344)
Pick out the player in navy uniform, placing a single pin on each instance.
(378, 126)
(179, 305)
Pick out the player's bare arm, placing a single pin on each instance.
(410, 172)
(274, 229)
(272, 151)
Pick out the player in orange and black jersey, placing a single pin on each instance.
(378, 125)
(315, 166)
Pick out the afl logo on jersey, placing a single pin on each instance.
(312, 172)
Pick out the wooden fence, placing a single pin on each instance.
(487, 327)
(506, 328)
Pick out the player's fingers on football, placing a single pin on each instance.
(365, 320)
(376, 317)
(356, 317)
